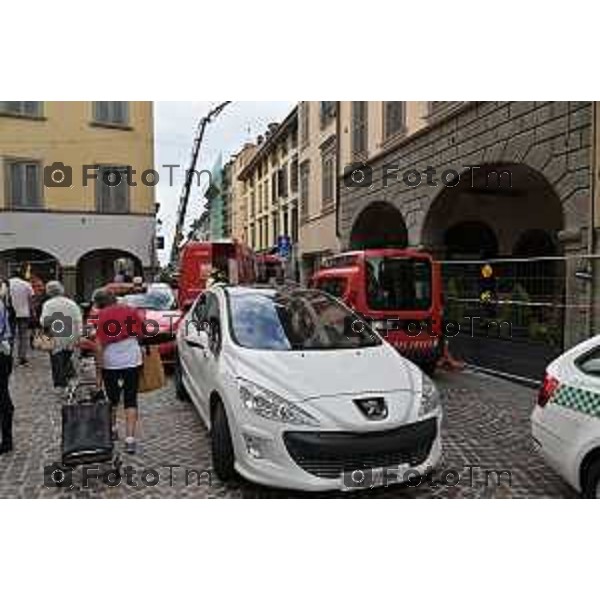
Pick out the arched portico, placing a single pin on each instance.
(379, 225)
(98, 267)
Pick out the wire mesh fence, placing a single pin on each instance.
(527, 295)
(515, 312)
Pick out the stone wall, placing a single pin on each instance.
(552, 138)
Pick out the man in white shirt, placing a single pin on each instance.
(21, 294)
(61, 319)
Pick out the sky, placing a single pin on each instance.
(175, 124)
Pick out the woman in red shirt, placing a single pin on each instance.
(118, 359)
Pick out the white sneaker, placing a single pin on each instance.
(130, 445)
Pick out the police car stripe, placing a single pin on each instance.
(577, 399)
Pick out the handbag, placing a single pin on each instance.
(44, 342)
(152, 372)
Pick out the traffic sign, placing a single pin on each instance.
(284, 245)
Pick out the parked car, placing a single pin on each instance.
(398, 291)
(565, 423)
(295, 398)
(157, 304)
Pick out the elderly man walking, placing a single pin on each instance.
(21, 294)
(62, 320)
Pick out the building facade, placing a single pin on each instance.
(479, 180)
(270, 190)
(200, 230)
(318, 163)
(216, 198)
(238, 210)
(53, 220)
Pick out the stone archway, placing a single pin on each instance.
(38, 266)
(99, 267)
(501, 263)
(504, 207)
(472, 239)
(379, 225)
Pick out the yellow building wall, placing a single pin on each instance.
(66, 134)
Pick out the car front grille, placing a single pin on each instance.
(328, 454)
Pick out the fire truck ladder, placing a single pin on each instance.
(189, 177)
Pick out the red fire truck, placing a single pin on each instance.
(198, 260)
(398, 291)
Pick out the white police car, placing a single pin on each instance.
(565, 423)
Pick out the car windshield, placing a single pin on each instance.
(162, 299)
(398, 283)
(296, 320)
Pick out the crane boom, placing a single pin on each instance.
(189, 177)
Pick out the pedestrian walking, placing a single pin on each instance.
(118, 359)
(6, 405)
(138, 285)
(62, 321)
(21, 294)
(37, 302)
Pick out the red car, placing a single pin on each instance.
(157, 303)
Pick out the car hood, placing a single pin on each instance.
(314, 374)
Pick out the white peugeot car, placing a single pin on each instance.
(299, 393)
(565, 424)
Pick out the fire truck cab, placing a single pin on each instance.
(198, 261)
(398, 291)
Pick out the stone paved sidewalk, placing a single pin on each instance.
(486, 426)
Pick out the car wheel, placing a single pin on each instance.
(591, 488)
(180, 390)
(223, 456)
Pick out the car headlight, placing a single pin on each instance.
(430, 396)
(270, 405)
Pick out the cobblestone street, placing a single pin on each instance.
(487, 427)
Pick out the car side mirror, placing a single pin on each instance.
(197, 339)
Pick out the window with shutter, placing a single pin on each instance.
(112, 198)
(22, 108)
(304, 188)
(394, 113)
(294, 176)
(359, 127)
(304, 123)
(274, 188)
(327, 111)
(327, 181)
(111, 113)
(282, 182)
(24, 185)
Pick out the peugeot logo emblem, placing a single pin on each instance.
(374, 409)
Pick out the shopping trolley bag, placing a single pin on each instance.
(86, 433)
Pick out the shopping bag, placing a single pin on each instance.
(152, 372)
(44, 342)
(86, 433)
